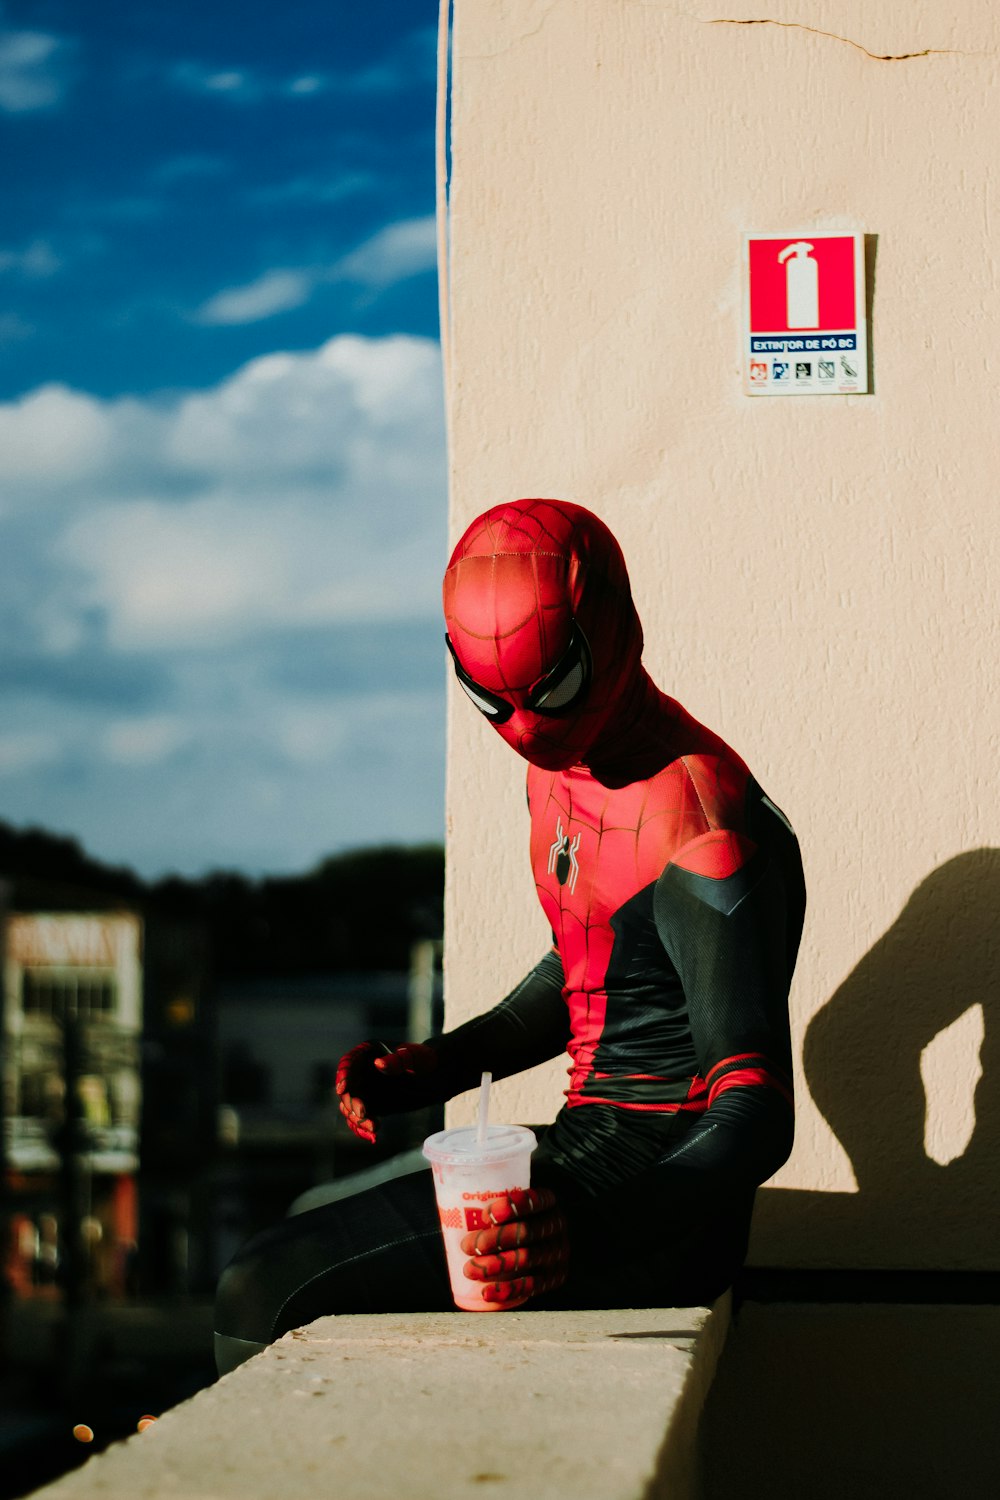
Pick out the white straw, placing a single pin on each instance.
(484, 1109)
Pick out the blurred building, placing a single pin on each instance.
(160, 1105)
(279, 1042)
(179, 1133)
(72, 1021)
(163, 1096)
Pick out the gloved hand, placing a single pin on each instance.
(525, 1252)
(371, 1080)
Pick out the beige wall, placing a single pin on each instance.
(816, 576)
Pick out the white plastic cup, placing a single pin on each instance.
(467, 1175)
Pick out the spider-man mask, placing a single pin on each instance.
(542, 628)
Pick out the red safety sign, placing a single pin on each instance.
(805, 329)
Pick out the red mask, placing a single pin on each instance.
(542, 628)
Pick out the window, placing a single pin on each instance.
(56, 993)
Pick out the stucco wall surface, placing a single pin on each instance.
(816, 576)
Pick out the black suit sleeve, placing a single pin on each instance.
(527, 1027)
(733, 942)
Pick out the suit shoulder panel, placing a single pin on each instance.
(716, 854)
(720, 784)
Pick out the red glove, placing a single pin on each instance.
(364, 1081)
(526, 1252)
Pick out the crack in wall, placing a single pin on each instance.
(522, 36)
(875, 56)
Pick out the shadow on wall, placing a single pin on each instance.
(862, 1058)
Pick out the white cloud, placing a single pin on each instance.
(328, 188)
(312, 414)
(243, 86)
(189, 165)
(261, 781)
(354, 412)
(410, 61)
(400, 250)
(230, 591)
(312, 491)
(310, 734)
(62, 450)
(228, 83)
(396, 252)
(140, 742)
(30, 71)
(413, 58)
(171, 574)
(274, 292)
(51, 436)
(27, 751)
(37, 260)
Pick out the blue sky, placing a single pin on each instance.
(222, 479)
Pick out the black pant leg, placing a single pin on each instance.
(379, 1251)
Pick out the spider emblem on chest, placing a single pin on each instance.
(562, 857)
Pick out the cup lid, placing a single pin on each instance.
(459, 1146)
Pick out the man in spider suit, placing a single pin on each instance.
(673, 887)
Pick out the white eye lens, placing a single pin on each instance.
(490, 709)
(564, 692)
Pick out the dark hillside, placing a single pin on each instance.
(355, 911)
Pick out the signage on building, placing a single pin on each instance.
(79, 971)
(805, 324)
(83, 941)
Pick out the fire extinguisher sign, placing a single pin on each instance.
(805, 327)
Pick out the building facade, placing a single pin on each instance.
(72, 1023)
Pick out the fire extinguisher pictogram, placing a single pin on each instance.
(801, 285)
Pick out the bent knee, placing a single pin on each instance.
(230, 1352)
(245, 1301)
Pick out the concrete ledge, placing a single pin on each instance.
(588, 1405)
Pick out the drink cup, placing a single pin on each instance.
(467, 1175)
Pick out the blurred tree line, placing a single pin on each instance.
(360, 910)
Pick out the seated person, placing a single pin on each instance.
(673, 887)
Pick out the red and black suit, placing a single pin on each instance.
(673, 888)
